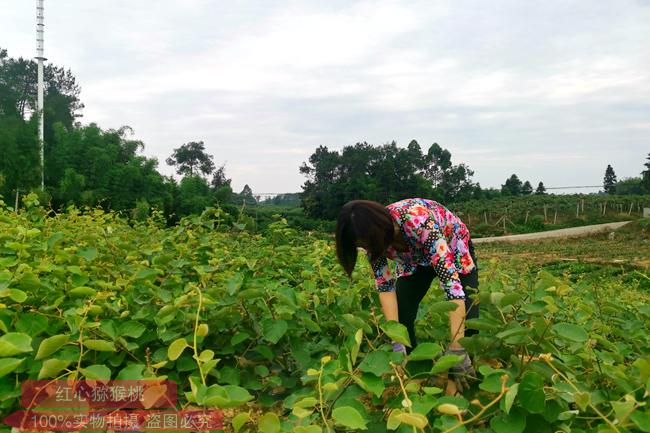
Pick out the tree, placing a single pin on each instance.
(190, 158)
(220, 185)
(645, 175)
(18, 92)
(541, 189)
(609, 181)
(513, 186)
(438, 161)
(19, 155)
(246, 196)
(527, 189)
(88, 165)
(219, 179)
(630, 185)
(385, 174)
(193, 195)
(19, 146)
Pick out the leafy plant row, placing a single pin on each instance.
(266, 327)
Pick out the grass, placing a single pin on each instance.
(622, 255)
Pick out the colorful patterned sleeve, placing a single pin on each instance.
(384, 281)
(432, 240)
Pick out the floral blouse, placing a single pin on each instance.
(435, 237)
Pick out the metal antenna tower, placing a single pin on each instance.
(40, 38)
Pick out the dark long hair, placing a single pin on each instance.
(365, 222)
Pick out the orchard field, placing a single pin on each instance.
(266, 326)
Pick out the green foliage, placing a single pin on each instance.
(609, 181)
(534, 213)
(191, 159)
(645, 176)
(268, 322)
(630, 185)
(513, 186)
(382, 173)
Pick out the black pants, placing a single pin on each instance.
(411, 291)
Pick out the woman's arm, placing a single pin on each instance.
(457, 323)
(389, 305)
(433, 241)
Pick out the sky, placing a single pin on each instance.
(550, 90)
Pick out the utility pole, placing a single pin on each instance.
(40, 37)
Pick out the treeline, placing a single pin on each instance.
(382, 173)
(388, 173)
(88, 165)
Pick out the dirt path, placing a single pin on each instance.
(573, 231)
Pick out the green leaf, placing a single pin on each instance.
(17, 295)
(373, 384)
(7, 365)
(273, 330)
(82, 291)
(206, 355)
(226, 396)
(269, 423)
(307, 429)
(131, 372)
(239, 337)
(445, 363)
(176, 349)
(14, 343)
(442, 307)
(96, 372)
(509, 398)
(582, 399)
(239, 420)
(393, 421)
(571, 332)
(54, 239)
(396, 332)
(31, 324)
(425, 351)
(29, 282)
(100, 345)
(349, 417)
(642, 420)
(623, 409)
(89, 254)
(414, 419)
(146, 274)
(375, 363)
(132, 329)
(354, 352)
(531, 392)
(52, 367)
(50, 345)
(514, 422)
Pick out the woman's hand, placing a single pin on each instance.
(461, 371)
(399, 347)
